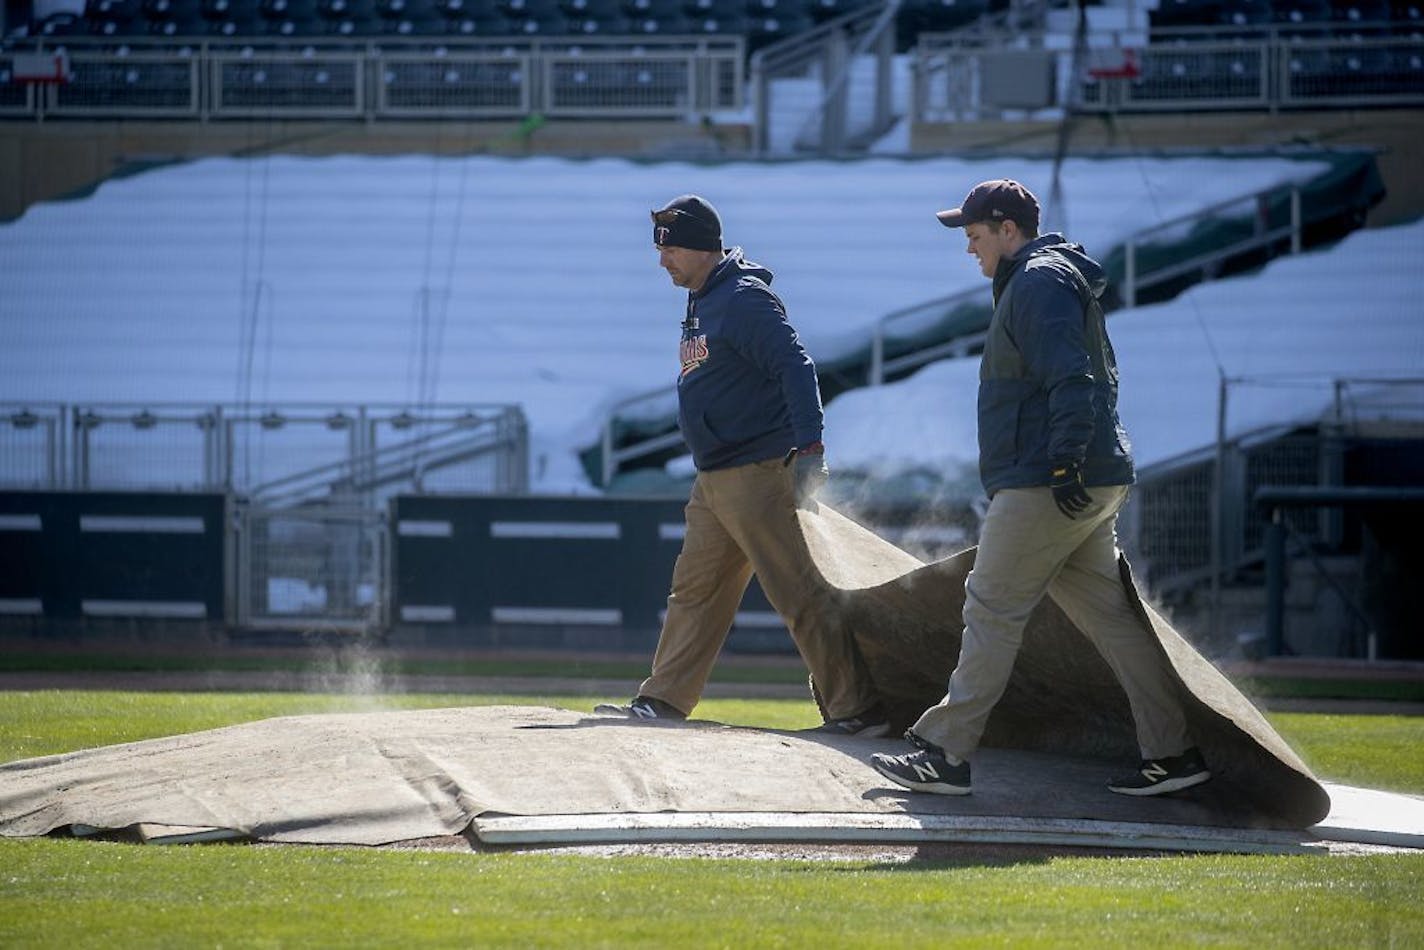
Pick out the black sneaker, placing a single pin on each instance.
(1160, 776)
(924, 770)
(871, 724)
(643, 707)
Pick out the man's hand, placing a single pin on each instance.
(809, 471)
(1066, 481)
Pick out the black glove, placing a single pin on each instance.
(808, 470)
(1066, 481)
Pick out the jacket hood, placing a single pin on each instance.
(1055, 243)
(734, 267)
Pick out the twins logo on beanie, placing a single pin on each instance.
(688, 221)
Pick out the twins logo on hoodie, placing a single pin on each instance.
(692, 351)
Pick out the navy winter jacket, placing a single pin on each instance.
(1048, 377)
(747, 390)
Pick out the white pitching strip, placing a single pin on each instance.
(425, 529)
(21, 605)
(421, 613)
(141, 524)
(672, 531)
(582, 616)
(189, 609)
(578, 530)
(883, 829)
(20, 523)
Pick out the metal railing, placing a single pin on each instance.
(1262, 235)
(827, 54)
(201, 78)
(287, 452)
(980, 75)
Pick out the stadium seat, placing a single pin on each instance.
(933, 16)
(283, 27)
(674, 25)
(782, 9)
(113, 9)
(1180, 13)
(529, 9)
(719, 25)
(409, 10)
(412, 26)
(591, 9)
(130, 26)
(354, 10)
(62, 24)
(661, 9)
(600, 26)
(195, 26)
(822, 10)
(1243, 19)
(1300, 12)
(234, 27)
(1347, 13)
(765, 30)
(241, 11)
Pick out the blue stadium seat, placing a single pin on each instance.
(173, 9)
(660, 9)
(234, 27)
(354, 10)
(592, 9)
(283, 27)
(1348, 13)
(822, 10)
(409, 10)
(1179, 13)
(530, 9)
(767, 29)
(727, 24)
(112, 9)
(673, 25)
(781, 9)
(1300, 12)
(412, 26)
(934, 16)
(613, 25)
(292, 10)
(62, 24)
(195, 26)
(241, 11)
(348, 26)
(131, 26)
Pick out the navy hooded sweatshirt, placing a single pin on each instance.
(747, 390)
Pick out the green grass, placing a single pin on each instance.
(77, 894)
(65, 893)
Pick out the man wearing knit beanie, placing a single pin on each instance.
(749, 406)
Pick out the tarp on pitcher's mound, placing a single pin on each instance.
(1062, 697)
(380, 777)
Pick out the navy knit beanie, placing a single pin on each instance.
(688, 221)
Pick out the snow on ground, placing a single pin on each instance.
(416, 280)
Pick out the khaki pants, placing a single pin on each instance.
(1027, 548)
(742, 521)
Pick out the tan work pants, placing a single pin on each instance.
(742, 521)
(1027, 548)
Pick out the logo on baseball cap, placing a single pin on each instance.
(688, 221)
(1001, 199)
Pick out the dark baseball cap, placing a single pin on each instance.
(688, 221)
(1001, 199)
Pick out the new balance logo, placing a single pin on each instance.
(924, 772)
(1154, 772)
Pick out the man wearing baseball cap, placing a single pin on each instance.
(1056, 465)
(749, 407)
